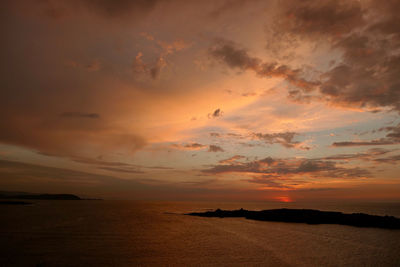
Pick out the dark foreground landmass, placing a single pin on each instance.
(307, 216)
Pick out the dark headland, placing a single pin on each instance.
(307, 216)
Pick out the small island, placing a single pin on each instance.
(307, 216)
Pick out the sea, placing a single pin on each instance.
(157, 233)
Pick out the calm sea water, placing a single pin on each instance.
(129, 233)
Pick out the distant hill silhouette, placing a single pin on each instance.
(308, 216)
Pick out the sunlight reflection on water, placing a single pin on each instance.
(126, 233)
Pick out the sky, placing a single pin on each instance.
(201, 100)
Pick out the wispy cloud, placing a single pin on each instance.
(215, 148)
(276, 168)
(392, 138)
(80, 115)
(189, 146)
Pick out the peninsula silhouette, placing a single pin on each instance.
(307, 216)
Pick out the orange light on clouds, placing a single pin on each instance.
(283, 199)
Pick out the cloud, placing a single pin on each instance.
(48, 179)
(215, 134)
(327, 18)
(215, 148)
(366, 75)
(234, 57)
(117, 166)
(391, 159)
(124, 170)
(80, 115)
(95, 65)
(45, 103)
(269, 182)
(284, 138)
(370, 154)
(392, 138)
(232, 159)
(188, 146)
(159, 167)
(166, 49)
(197, 146)
(228, 53)
(363, 35)
(116, 9)
(378, 142)
(217, 113)
(152, 70)
(66, 137)
(44, 179)
(227, 6)
(278, 168)
(102, 162)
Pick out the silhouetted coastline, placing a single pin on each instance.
(307, 216)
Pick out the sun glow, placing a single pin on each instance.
(285, 199)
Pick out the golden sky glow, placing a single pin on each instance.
(230, 99)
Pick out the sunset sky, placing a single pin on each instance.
(222, 100)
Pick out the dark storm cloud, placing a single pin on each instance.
(277, 168)
(215, 148)
(80, 115)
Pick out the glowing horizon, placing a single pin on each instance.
(246, 100)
